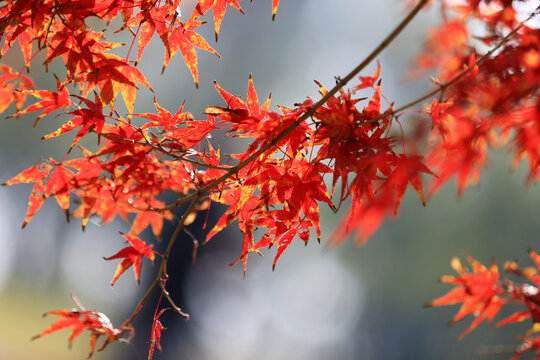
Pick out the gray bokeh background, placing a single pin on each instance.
(320, 303)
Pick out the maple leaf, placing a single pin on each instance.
(21, 22)
(460, 148)
(132, 255)
(88, 119)
(243, 206)
(59, 184)
(407, 170)
(87, 183)
(478, 291)
(113, 76)
(152, 218)
(50, 101)
(8, 93)
(82, 50)
(368, 81)
(70, 318)
(444, 49)
(245, 116)
(87, 8)
(183, 38)
(148, 22)
(164, 118)
(35, 174)
(218, 8)
(81, 320)
(155, 338)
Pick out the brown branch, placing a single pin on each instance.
(170, 300)
(162, 273)
(340, 84)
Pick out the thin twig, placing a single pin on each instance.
(162, 273)
(160, 148)
(170, 300)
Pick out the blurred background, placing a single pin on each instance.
(320, 303)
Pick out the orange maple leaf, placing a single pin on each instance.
(219, 7)
(80, 320)
(88, 119)
(155, 338)
(50, 101)
(183, 38)
(478, 291)
(132, 255)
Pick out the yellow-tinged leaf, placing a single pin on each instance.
(183, 38)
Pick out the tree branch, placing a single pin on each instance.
(340, 84)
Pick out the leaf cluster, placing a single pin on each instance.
(340, 151)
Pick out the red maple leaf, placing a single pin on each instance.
(143, 219)
(155, 338)
(407, 170)
(50, 101)
(218, 8)
(132, 255)
(80, 320)
(35, 174)
(82, 50)
(245, 116)
(88, 119)
(478, 291)
(60, 183)
(183, 38)
(149, 20)
(8, 82)
(113, 76)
